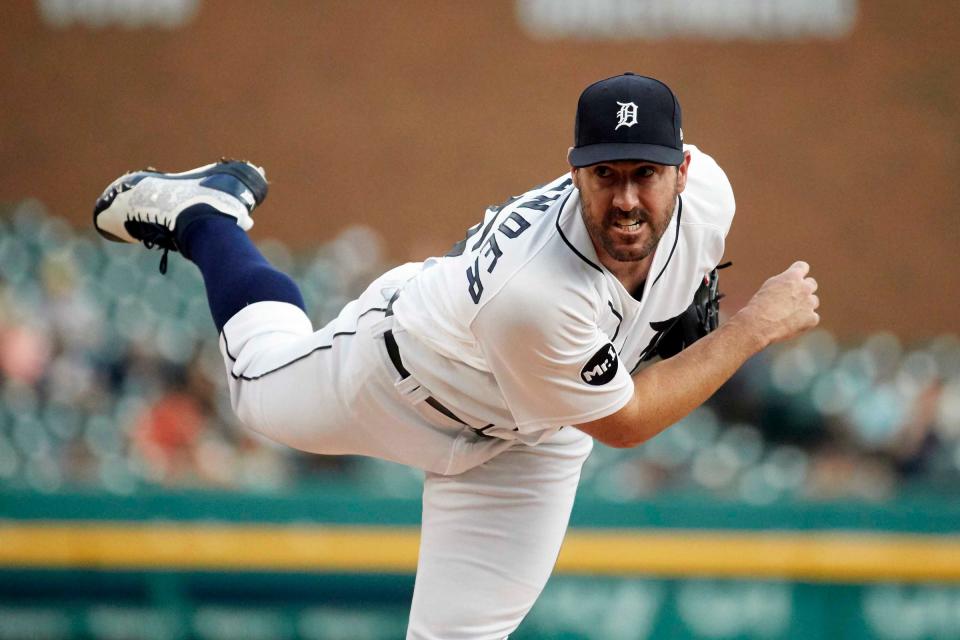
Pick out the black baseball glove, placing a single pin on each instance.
(699, 319)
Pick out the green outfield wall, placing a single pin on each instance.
(339, 564)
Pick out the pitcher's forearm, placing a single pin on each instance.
(667, 391)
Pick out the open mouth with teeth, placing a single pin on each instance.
(628, 223)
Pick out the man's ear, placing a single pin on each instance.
(682, 172)
(573, 169)
(575, 176)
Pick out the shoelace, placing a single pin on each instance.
(160, 238)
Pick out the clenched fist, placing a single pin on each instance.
(784, 307)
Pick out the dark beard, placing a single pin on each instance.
(624, 253)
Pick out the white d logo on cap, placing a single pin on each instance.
(627, 115)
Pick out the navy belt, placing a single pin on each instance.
(393, 350)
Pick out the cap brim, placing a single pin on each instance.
(611, 152)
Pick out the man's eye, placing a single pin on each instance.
(601, 172)
(645, 172)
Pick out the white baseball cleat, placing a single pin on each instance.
(144, 206)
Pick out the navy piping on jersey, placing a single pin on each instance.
(570, 244)
(437, 406)
(619, 321)
(298, 358)
(676, 241)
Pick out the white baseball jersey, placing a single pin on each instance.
(519, 334)
(524, 331)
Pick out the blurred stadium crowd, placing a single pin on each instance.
(111, 380)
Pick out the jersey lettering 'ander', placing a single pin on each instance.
(487, 248)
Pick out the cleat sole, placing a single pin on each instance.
(243, 171)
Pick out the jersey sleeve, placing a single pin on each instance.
(708, 198)
(552, 362)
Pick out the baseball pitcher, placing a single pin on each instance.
(582, 309)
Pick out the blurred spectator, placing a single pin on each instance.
(115, 380)
(24, 354)
(166, 436)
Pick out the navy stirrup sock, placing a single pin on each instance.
(235, 273)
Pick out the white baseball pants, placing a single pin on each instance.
(494, 511)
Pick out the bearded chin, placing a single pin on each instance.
(629, 254)
(625, 253)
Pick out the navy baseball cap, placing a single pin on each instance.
(627, 117)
